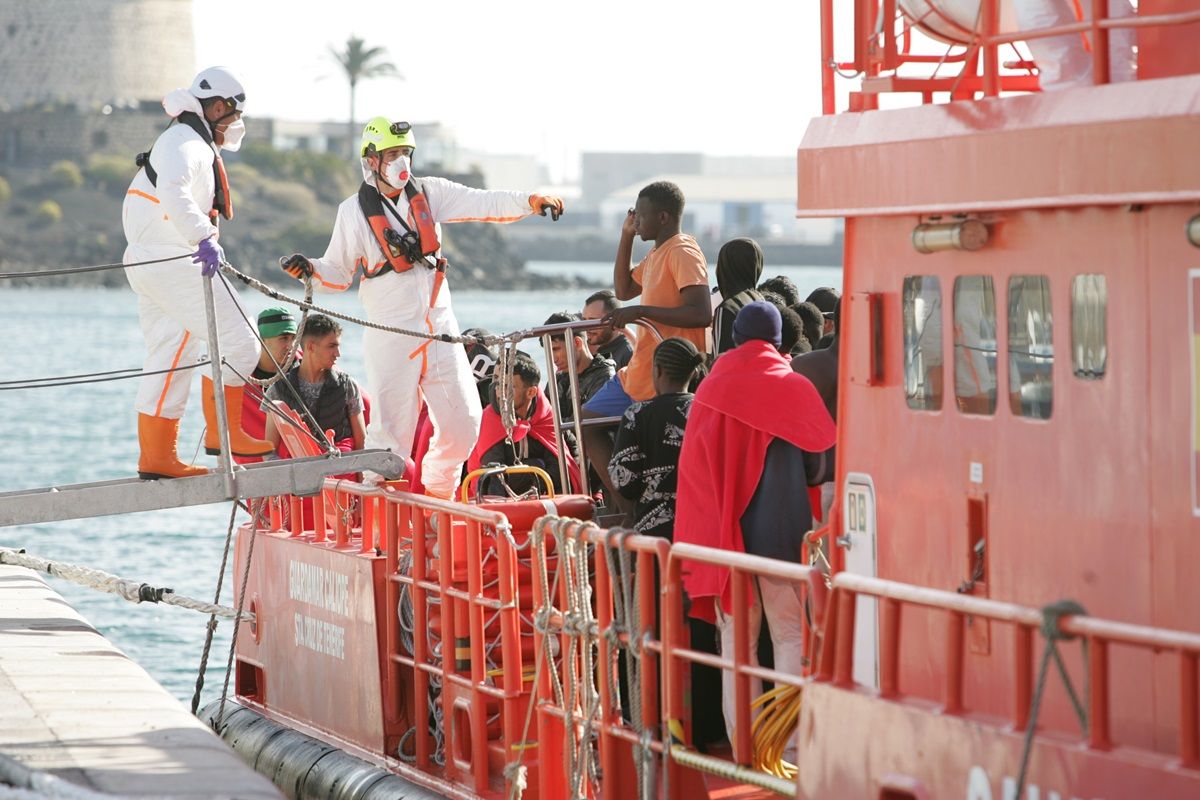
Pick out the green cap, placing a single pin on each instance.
(275, 322)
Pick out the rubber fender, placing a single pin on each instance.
(306, 768)
(292, 772)
(338, 776)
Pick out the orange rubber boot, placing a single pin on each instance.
(242, 443)
(157, 437)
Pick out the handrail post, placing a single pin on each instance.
(828, 91)
(1189, 724)
(225, 457)
(889, 647)
(575, 420)
(1098, 722)
(552, 384)
(1022, 675)
(953, 691)
(1100, 36)
(739, 588)
(991, 50)
(603, 601)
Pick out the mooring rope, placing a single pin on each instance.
(132, 590)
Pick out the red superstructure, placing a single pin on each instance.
(1018, 421)
(1018, 476)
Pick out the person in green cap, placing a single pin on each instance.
(390, 231)
(277, 329)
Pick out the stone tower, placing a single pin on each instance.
(93, 53)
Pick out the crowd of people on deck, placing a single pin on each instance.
(720, 402)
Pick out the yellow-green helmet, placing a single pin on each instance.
(380, 134)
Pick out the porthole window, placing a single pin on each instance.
(1030, 347)
(975, 344)
(922, 299)
(1089, 326)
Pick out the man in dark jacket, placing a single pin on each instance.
(591, 371)
(608, 342)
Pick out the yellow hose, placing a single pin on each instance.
(772, 730)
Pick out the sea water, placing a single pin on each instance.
(77, 434)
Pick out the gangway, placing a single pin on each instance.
(300, 477)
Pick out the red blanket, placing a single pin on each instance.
(750, 398)
(540, 426)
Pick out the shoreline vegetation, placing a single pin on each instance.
(68, 215)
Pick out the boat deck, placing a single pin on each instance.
(76, 707)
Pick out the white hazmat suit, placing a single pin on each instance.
(168, 220)
(398, 365)
(171, 220)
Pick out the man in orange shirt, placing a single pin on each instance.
(673, 283)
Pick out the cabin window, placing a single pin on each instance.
(975, 344)
(1030, 347)
(923, 342)
(1089, 326)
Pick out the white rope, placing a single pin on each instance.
(131, 590)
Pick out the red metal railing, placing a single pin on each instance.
(666, 662)
(877, 51)
(447, 543)
(616, 737)
(744, 568)
(837, 658)
(450, 545)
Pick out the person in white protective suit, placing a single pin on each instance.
(1062, 61)
(391, 230)
(170, 214)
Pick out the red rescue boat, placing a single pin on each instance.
(1009, 607)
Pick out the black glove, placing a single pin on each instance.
(297, 266)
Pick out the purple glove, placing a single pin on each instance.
(209, 255)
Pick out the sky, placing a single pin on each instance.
(550, 79)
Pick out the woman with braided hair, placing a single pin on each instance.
(643, 469)
(646, 451)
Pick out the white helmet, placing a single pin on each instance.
(219, 82)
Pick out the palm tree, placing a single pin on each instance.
(360, 62)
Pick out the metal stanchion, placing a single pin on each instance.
(563, 472)
(569, 343)
(225, 458)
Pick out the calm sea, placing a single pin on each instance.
(88, 433)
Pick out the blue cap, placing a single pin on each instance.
(758, 320)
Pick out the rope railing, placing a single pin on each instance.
(132, 590)
(91, 377)
(51, 273)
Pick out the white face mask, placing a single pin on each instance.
(397, 172)
(234, 135)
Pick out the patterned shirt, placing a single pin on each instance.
(646, 457)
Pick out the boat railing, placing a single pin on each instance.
(458, 567)
(957, 611)
(880, 53)
(643, 725)
(552, 636)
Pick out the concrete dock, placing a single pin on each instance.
(76, 707)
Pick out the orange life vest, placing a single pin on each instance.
(395, 258)
(222, 198)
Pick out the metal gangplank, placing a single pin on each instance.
(300, 477)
